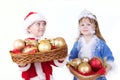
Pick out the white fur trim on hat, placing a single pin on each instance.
(32, 18)
(86, 13)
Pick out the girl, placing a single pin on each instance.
(90, 42)
(35, 25)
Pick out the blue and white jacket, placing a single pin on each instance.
(101, 50)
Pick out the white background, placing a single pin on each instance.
(62, 18)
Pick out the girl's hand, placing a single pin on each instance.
(108, 67)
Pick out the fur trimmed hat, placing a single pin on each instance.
(86, 13)
(32, 17)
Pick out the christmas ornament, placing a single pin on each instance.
(31, 41)
(30, 49)
(44, 46)
(96, 63)
(84, 68)
(75, 62)
(85, 59)
(16, 51)
(18, 44)
(59, 42)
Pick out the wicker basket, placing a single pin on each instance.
(82, 77)
(40, 57)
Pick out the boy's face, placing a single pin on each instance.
(37, 28)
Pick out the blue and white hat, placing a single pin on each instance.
(86, 13)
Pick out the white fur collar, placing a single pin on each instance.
(87, 48)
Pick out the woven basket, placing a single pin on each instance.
(82, 77)
(39, 56)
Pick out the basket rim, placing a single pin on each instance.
(54, 54)
(57, 49)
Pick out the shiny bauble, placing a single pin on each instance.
(30, 41)
(44, 46)
(85, 59)
(52, 42)
(16, 51)
(59, 42)
(18, 44)
(44, 41)
(75, 62)
(96, 63)
(30, 49)
(84, 68)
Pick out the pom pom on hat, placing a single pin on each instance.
(86, 13)
(32, 17)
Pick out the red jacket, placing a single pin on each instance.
(41, 70)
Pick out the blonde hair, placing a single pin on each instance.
(97, 30)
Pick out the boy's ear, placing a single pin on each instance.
(28, 29)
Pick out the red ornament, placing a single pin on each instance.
(53, 47)
(96, 63)
(16, 51)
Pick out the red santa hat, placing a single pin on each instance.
(86, 13)
(32, 17)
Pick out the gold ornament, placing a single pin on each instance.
(44, 46)
(84, 68)
(18, 44)
(59, 42)
(75, 62)
(85, 59)
(31, 42)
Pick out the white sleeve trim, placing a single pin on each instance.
(111, 63)
(25, 68)
(60, 64)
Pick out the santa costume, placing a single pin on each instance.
(40, 70)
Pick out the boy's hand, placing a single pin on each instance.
(22, 65)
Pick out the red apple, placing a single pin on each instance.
(96, 63)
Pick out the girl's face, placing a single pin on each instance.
(86, 27)
(37, 28)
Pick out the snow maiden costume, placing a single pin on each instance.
(96, 47)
